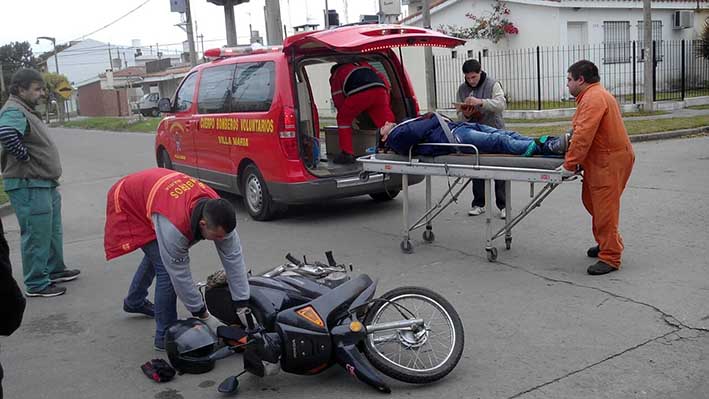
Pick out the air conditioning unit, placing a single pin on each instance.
(682, 19)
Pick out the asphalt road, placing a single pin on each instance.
(536, 326)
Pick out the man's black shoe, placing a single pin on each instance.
(593, 252)
(147, 309)
(344, 158)
(600, 268)
(50, 291)
(64, 275)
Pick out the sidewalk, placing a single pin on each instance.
(678, 113)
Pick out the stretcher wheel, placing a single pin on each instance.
(406, 247)
(508, 242)
(491, 254)
(428, 236)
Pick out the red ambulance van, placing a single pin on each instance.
(247, 122)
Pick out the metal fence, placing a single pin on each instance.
(535, 78)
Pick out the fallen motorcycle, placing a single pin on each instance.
(309, 316)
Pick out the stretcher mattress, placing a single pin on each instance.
(500, 160)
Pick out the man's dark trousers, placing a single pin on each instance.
(479, 193)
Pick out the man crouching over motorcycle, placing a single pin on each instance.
(164, 213)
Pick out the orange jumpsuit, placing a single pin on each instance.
(601, 146)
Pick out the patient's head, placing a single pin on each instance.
(386, 129)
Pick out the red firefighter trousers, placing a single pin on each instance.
(374, 102)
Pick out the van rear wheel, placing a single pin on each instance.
(385, 195)
(257, 200)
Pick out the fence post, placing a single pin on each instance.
(683, 71)
(539, 81)
(654, 71)
(635, 92)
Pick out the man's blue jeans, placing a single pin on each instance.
(165, 298)
(490, 140)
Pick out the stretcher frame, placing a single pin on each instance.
(463, 174)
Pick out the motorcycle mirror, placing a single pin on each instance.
(229, 385)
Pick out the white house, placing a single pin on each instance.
(600, 30)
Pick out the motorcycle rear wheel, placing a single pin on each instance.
(407, 356)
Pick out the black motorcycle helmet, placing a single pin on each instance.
(188, 343)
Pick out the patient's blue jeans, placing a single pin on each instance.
(490, 140)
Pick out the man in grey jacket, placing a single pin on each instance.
(482, 100)
(31, 171)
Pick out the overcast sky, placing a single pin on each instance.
(153, 22)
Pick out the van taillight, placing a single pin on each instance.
(287, 136)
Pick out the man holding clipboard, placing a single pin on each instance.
(481, 100)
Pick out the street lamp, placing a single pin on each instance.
(54, 44)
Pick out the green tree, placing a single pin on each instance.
(53, 80)
(14, 56)
(704, 45)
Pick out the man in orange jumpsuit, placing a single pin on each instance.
(601, 148)
(355, 88)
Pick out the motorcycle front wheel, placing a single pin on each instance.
(416, 357)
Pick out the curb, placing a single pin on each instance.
(669, 135)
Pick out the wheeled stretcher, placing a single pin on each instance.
(463, 168)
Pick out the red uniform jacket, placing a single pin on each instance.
(133, 199)
(346, 80)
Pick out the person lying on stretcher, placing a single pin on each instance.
(435, 128)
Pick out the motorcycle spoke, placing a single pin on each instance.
(385, 338)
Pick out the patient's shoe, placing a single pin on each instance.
(344, 158)
(503, 213)
(476, 210)
(593, 252)
(558, 145)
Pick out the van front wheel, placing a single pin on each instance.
(385, 195)
(257, 200)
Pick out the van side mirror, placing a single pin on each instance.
(164, 105)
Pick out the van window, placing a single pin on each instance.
(215, 89)
(253, 87)
(185, 95)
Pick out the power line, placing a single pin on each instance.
(114, 21)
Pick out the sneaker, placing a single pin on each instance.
(503, 213)
(344, 158)
(600, 268)
(593, 252)
(64, 275)
(159, 347)
(559, 145)
(476, 210)
(147, 309)
(50, 291)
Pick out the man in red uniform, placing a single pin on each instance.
(357, 87)
(164, 213)
(600, 146)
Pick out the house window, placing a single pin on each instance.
(656, 37)
(470, 54)
(454, 54)
(616, 42)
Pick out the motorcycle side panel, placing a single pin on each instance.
(304, 351)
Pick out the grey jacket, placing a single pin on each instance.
(174, 252)
(494, 102)
(43, 160)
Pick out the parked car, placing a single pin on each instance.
(247, 122)
(148, 105)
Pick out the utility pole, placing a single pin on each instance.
(110, 56)
(190, 37)
(648, 65)
(2, 82)
(428, 60)
(230, 23)
(272, 12)
(327, 16)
